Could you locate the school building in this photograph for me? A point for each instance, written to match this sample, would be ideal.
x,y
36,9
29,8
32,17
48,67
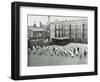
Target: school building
x,y
60,32
69,31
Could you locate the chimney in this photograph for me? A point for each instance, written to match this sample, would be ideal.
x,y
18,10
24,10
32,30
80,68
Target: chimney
x,y
34,25
40,24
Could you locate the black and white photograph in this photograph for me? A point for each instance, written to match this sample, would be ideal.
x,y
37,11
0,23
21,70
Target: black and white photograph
x,y
53,40
57,40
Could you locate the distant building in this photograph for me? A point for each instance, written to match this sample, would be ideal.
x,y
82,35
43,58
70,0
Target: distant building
x,y
37,33
60,32
72,29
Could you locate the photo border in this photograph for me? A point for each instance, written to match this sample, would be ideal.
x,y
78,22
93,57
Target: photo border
x,y
15,40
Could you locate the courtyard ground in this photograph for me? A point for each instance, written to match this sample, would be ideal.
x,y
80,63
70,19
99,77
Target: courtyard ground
x,y
50,59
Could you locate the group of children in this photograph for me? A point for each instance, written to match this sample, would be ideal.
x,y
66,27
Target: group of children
x,y
59,51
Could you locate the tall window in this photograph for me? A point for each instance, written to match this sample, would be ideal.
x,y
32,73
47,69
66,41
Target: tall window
x,y
58,31
70,30
83,26
55,31
62,31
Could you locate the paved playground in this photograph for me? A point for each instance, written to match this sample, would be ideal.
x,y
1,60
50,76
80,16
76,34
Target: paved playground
x,y
58,55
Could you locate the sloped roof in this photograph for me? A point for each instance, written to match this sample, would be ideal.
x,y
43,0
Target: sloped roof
x,y
37,28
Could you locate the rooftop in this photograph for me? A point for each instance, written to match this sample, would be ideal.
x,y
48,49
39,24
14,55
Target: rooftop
x,y
37,28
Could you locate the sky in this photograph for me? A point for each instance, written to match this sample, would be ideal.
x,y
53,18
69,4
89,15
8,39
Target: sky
x,y
44,19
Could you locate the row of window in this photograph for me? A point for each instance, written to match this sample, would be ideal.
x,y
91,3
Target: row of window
x,y
75,32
